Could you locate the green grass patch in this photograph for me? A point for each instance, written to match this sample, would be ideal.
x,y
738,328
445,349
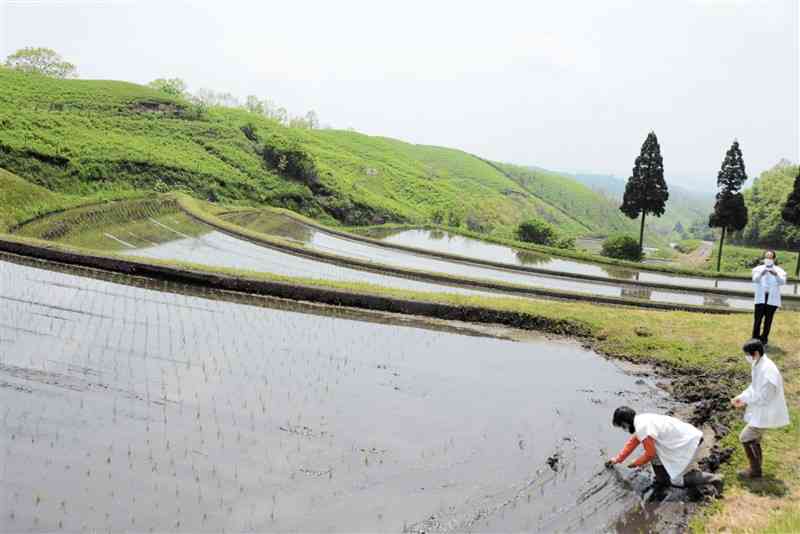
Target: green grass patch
x,y
687,246
21,200
738,259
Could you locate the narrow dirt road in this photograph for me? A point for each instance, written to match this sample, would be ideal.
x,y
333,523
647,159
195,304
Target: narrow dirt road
x,y
699,255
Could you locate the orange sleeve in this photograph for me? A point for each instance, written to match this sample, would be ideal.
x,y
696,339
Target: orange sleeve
x,y
629,447
648,454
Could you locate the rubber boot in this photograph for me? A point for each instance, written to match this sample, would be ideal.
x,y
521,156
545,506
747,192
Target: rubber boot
x,y
753,451
661,484
662,479
759,456
695,478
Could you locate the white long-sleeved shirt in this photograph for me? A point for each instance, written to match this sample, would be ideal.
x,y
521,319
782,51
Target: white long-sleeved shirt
x,y
766,404
768,283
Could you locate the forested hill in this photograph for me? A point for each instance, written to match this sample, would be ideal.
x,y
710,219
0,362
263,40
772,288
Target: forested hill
x,y
84,137
765,200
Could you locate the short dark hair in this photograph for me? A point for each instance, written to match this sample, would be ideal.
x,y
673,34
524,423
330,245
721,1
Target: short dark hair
x,y
623,417
752,346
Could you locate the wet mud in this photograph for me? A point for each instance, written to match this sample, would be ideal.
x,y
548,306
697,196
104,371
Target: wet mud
x,y
134,408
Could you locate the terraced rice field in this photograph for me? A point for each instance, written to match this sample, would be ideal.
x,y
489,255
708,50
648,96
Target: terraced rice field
x,y
287,227
450,243
151,410
160,230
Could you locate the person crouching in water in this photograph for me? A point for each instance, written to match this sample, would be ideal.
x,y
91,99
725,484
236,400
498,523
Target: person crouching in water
x,y
671,446
764,403
768,279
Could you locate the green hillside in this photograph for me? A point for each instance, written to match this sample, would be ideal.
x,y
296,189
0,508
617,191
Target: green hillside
x,y
765,200
21,200
598,214
100,138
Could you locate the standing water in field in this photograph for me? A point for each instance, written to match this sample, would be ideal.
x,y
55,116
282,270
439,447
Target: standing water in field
x,y
144,410
178,237
450,243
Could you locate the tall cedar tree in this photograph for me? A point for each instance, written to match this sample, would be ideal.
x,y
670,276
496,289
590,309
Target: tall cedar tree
x,y
646,191
791,212
730,212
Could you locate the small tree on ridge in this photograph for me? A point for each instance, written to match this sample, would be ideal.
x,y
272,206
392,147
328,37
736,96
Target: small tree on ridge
x,y
646,191
41,60
730,212
791,212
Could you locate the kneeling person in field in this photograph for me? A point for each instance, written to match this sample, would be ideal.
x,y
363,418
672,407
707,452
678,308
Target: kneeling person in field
x,y
671,446
764,403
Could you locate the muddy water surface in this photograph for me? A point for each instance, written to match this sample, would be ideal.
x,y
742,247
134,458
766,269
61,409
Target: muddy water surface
x,y
136,409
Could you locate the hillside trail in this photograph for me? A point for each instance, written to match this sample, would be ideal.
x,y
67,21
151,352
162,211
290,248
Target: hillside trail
x,y
700,255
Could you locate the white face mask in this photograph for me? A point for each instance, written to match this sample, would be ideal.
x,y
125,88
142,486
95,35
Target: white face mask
x,y
749,359
769,262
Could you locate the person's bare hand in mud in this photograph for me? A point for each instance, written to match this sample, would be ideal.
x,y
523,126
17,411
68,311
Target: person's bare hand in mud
x,y
738,403
610,463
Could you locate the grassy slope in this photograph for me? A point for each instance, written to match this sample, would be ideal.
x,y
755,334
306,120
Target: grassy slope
x,y
21,200
600,214
84,136
739,259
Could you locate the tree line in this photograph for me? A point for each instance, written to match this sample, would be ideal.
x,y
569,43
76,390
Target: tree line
x,y
176,87
646,193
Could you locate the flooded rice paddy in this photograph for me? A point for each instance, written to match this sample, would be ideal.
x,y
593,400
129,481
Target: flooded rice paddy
x,y
284,226
446,242
179,237
132,409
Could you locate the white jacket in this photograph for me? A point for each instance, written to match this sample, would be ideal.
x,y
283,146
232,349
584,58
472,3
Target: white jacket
x,y
676,441
768,283
766,405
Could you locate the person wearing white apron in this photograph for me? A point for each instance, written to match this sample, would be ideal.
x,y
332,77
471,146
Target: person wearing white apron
x,y
671,446
764,404
767,279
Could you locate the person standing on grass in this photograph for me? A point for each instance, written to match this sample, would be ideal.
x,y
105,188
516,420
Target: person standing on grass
x,y
764,404
768,279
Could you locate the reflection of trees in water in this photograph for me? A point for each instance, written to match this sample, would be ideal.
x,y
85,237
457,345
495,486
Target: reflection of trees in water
x,y
526,257
436,235
637,292
620,272
715,300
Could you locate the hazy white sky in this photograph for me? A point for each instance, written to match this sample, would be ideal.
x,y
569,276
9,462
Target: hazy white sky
x,y
563,84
